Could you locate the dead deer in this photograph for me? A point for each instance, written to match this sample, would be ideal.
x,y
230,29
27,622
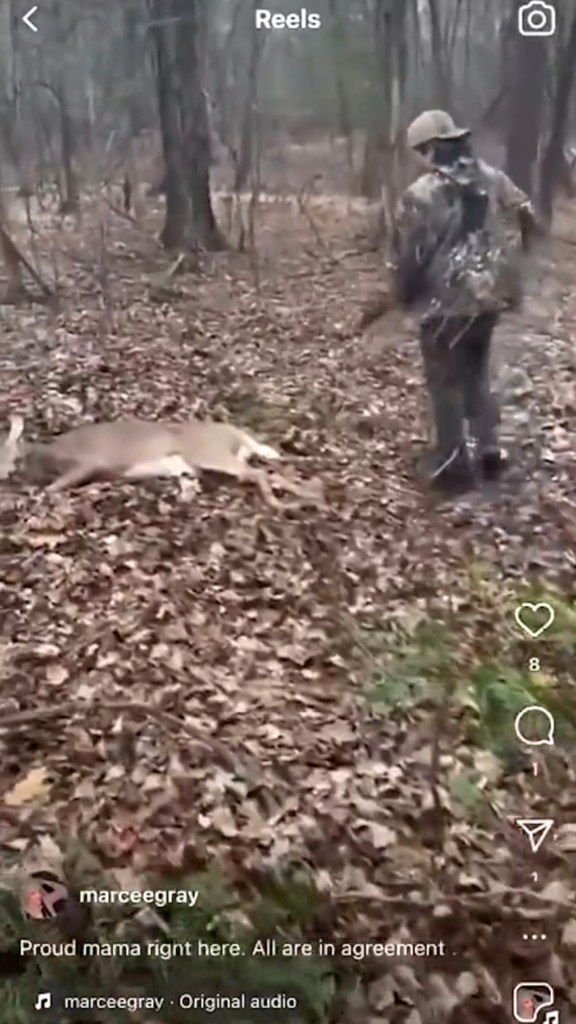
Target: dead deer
x,y
135,449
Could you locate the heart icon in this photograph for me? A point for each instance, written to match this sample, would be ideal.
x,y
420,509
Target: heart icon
x,y
543,612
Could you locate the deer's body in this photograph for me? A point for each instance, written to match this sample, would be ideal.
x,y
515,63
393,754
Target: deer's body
x,y
115,449
138,449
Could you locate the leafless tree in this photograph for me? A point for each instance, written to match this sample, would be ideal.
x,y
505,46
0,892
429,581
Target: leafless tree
x,y
553,159
108,92
178,31
526,67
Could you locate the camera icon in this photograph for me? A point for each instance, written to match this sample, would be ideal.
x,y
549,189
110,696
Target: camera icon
x,y
537,18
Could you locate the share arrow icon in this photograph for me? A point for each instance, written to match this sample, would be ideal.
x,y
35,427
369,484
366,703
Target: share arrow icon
x,y
536,829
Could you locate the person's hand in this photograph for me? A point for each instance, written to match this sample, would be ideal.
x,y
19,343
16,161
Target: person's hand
x,y
531,226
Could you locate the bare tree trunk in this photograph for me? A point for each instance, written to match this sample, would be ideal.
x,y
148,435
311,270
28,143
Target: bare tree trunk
x,y
58,86
16,289
441,80
526,88
553,160
71,191
344,118
390,36
175,231
379,163
177,33
11,126
223,79
245,154
194,115
132,56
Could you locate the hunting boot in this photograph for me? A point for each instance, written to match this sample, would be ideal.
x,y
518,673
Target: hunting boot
x,y
493,461
454,474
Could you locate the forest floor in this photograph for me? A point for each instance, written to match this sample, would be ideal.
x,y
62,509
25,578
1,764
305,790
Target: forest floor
x,y
197,666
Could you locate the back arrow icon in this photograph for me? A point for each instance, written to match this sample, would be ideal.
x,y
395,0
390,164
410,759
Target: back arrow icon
x,y
27,19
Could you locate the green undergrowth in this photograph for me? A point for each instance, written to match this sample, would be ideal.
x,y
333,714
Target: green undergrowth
x,y
286,910
474,670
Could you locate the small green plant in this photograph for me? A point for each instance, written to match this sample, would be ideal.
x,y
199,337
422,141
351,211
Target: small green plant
x,y
465,793
431,668
417,670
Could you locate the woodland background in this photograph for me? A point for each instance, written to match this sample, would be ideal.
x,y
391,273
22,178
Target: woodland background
x,y
99,89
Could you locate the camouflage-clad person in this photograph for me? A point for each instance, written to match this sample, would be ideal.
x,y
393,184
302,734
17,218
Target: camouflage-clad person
x,y
456,264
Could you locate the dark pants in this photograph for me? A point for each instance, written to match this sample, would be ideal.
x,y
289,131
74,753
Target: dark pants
x,y
456,354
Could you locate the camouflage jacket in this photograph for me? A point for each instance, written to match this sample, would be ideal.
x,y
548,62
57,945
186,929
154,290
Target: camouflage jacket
x,y
455,250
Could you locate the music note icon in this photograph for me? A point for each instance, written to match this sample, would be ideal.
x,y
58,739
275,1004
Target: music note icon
x,y
43,1001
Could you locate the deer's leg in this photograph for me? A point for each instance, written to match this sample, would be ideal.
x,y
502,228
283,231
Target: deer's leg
x,y
259,477
79,473
312,491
